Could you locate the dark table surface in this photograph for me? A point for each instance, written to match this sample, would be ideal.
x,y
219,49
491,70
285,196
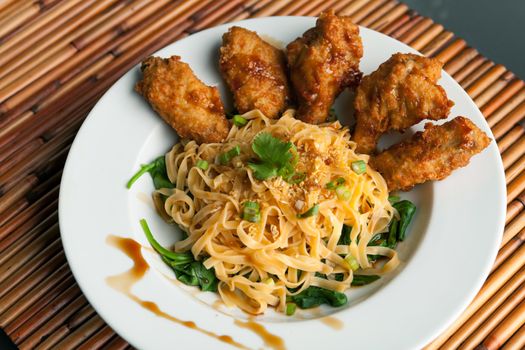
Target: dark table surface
x,y
495,28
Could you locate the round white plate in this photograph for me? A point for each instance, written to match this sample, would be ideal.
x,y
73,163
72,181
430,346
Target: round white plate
x,y
446,257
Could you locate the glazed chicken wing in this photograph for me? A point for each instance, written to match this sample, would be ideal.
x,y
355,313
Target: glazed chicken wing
x,y
430,155
322,63
255,72
400,93
189,106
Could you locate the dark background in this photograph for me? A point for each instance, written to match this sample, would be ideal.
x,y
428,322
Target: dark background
x,y
496,28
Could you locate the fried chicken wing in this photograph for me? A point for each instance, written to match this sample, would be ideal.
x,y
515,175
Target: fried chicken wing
x,y
255,72
322,63
430,155
189,106
400,93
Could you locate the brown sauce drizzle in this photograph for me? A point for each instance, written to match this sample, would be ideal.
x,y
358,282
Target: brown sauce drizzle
x,y
333,322
124,281
269,339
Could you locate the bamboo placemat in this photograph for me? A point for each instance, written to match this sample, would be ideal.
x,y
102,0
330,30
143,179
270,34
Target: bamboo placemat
x,y
58,57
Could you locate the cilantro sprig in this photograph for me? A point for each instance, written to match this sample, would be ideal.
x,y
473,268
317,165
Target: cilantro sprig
x,y
276,158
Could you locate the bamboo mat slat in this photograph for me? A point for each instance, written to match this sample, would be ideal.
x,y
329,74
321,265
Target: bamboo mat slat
x,y
57,57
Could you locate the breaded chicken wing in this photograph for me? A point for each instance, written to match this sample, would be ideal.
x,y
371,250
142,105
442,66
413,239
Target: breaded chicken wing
x,y
322,63
189,106
430,155
400,93
255,72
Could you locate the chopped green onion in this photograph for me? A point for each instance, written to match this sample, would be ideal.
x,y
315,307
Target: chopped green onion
x,y
225,157
202,164
359,166
343,193
239,121
393,199
251,211
176,258
352,262
310,212
290,309
143,170
332,185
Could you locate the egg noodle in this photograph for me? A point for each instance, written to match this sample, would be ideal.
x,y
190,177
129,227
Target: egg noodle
x,y
257,264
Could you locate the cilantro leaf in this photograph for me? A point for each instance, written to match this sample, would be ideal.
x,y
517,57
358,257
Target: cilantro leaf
x,y
277,158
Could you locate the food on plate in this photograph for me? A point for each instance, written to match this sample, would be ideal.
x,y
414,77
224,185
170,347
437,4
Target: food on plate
x,y
289,212
430,155
189,106
400,93
255,72
282,213
322,63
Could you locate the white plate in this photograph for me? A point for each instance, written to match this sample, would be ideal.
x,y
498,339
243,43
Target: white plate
x,y
450,247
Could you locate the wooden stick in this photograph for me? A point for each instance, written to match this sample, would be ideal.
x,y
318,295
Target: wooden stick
x,y
6,5
420,27
16,19
486,80
30,219
79,335
509,121
516,187
55,14
506,108
30,147
116,343
397,24
50,318
499,315
459,60
514,134
316,10
507,327
494,89
42,267
517,341
424,39
394,18
364,11
97,340
12,196
493,283
508,249
515,169
212,18
352,7
27,306
374,15
250,8
270,9
474,68
485,312
513,209
16,209
58,34
18,259
502,97
138,7
513,228
513,152
76,320
437,43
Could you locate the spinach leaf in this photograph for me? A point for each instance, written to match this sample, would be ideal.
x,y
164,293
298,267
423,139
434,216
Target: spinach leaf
x,y
406,210
315,296
188,270
362,280
345,235
157,171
